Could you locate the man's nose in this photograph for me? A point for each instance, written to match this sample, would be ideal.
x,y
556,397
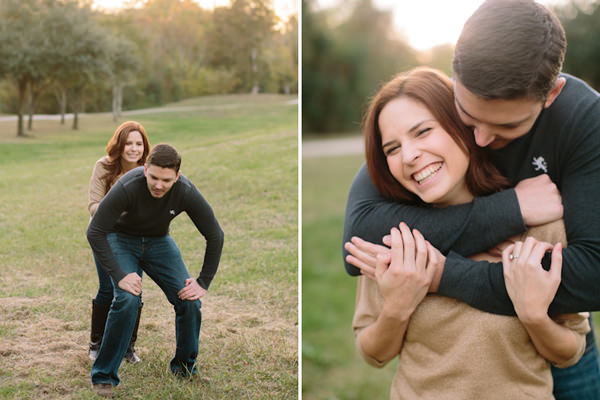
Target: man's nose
x,y
483,136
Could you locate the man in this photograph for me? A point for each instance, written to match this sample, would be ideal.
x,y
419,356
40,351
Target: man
x,y
543,132
130,233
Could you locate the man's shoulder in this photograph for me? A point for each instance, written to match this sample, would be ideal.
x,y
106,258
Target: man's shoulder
x,y
576,92
577,106
132,179
184,186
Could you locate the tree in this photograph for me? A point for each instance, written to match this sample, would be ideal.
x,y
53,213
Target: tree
x,y
23,47
582,27
124,64
343,64
237,38
80,51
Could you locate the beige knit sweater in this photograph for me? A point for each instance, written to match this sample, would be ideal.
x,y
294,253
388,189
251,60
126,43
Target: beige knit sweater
x,y
453,351
97,189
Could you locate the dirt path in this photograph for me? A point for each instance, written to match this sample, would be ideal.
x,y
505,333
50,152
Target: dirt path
x,y
332,147
154,110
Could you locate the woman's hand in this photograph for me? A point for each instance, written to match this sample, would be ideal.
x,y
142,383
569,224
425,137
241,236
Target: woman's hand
x,y
363,255
529,286
403,276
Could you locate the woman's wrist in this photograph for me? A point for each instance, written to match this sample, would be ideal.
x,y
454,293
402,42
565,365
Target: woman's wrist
x,y
534,318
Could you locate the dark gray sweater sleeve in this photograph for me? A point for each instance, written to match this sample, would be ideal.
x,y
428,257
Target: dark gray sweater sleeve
x,y
205,221
466,229
109,210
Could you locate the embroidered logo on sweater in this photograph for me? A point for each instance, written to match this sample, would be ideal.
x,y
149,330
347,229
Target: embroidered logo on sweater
x,y
172,212
540,164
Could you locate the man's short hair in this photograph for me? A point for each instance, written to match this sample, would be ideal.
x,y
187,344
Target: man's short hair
x,y
164,156
510,49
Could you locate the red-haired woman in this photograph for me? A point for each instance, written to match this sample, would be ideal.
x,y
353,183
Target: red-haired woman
x,y
419,151
127,149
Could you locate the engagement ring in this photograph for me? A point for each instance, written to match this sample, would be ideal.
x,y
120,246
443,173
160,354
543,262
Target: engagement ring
x,y
512,256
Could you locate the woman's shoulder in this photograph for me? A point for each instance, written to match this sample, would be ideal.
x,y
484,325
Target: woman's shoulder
x,y
102,164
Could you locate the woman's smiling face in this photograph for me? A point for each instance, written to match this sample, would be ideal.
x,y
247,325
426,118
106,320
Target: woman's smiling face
x,y
134,147
421,155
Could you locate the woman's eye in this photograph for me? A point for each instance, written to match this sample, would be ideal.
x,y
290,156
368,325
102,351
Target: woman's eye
x,y
391,150
422,131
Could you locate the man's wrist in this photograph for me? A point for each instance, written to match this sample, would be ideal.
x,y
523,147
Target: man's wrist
x,y
201,283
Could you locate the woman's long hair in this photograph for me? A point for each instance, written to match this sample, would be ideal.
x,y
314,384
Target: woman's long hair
x,y
114,150
435,91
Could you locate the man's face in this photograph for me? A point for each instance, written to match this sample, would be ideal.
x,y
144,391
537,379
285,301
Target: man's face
x,y
159,180
496,122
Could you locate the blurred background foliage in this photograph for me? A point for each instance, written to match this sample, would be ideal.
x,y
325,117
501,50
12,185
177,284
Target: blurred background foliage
x,y
62,55
347,54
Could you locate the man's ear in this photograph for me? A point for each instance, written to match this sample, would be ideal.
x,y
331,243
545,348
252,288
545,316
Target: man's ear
x,y
177,177
146,170
558,87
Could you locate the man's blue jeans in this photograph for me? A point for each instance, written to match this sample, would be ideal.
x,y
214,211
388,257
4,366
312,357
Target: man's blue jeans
x,y
160,258
582,380
105,286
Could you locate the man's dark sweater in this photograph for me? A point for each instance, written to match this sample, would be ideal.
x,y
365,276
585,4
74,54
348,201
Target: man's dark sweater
x,y
565,143
129,208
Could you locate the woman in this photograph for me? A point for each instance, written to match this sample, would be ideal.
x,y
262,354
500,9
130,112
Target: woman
x,y
419,151
127,149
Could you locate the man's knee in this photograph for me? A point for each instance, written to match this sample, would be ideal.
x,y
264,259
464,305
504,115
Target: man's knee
x,y
126,301
190,307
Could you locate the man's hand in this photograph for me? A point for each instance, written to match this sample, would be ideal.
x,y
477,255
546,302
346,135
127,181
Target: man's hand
x,y
131,283
539,200
191,291
363,255
529,286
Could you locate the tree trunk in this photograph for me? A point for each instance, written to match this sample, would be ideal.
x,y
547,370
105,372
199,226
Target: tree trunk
x,y
61,96
63,104
22,86
31,107
254,72
114,103
120,100
77,106
117,101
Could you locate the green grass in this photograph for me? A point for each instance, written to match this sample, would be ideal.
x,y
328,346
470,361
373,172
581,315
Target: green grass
x,y
331,368
244,161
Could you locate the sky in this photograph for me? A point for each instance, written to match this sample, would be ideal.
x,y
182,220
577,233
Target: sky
x,y
283,8
427,23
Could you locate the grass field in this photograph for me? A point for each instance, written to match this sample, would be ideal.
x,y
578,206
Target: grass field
x,y
331,368
241,152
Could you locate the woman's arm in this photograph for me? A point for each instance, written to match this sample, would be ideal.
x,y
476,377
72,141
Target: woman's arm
x,y
403,278
97,189
531,289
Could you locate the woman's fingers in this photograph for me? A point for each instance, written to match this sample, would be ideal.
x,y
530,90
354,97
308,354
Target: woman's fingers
x,y
506,257
537,253
556,265
397,248
381,265
409,245
421,251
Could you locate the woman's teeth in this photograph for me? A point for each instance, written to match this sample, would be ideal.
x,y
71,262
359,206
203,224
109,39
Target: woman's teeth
x,y
427,172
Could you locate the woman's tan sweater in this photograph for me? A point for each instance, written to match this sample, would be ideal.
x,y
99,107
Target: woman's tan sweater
x,y
453,351
97,189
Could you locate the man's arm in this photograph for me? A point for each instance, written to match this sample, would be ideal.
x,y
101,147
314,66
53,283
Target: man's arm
x,y
107,214
466,229
580,187
205,221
